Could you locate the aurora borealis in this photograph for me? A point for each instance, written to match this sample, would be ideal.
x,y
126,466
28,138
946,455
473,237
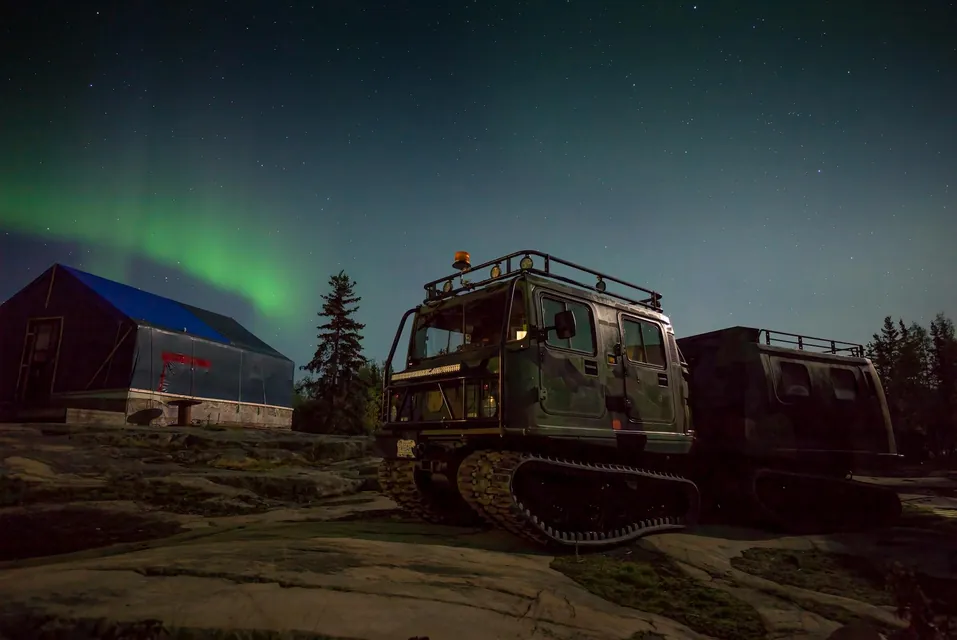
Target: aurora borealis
x,y
178,234
784,166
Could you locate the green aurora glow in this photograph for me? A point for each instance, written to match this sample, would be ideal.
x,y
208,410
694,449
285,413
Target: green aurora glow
x,y
225,246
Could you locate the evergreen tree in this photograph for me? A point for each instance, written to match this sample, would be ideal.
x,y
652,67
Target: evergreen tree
x,y
918,369
910,374
336,365
371,375
882,350
942,381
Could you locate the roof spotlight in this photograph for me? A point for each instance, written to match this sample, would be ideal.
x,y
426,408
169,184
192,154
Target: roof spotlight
x,y
601,285
526,262
496,271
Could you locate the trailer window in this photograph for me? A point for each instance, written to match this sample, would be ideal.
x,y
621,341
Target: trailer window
x,y
795,380
845,384
584,338
643,342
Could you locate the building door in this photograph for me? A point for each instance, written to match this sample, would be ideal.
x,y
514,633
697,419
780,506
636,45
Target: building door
x,y
41,349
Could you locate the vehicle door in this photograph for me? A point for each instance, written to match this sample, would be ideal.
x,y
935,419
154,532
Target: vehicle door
x,y
646,375
570,383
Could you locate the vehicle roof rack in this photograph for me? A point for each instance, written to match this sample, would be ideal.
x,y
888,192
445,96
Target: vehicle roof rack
x,y
807,343
523,262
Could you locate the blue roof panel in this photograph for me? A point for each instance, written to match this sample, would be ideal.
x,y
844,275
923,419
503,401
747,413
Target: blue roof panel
x,y
149,308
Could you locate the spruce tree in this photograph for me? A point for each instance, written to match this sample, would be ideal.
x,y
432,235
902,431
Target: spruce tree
x,y
943,383
336,384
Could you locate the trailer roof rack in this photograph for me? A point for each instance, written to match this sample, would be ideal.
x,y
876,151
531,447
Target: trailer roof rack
x,y
524,262
807,343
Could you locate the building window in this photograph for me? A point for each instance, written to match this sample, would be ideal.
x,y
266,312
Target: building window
x,y
584,338
643,342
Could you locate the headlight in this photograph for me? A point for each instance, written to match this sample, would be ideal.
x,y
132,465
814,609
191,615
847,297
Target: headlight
x,y
489,406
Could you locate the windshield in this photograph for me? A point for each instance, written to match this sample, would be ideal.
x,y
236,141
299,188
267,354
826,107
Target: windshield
x,y
470,323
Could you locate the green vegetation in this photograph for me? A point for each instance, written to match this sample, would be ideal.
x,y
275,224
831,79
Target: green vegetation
x,y
920,517
47,532
836,574
916,596
167,496
38,626
653,583
295,490
342,392
242,450
918,369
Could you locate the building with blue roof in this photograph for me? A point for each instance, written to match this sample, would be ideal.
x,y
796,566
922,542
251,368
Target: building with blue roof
x,y
72,343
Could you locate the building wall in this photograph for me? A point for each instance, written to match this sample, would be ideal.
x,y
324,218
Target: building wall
x,y
126,406
186,365
91,328
212,412
100,350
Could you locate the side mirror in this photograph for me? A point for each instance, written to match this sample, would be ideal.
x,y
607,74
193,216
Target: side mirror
x,y
565,325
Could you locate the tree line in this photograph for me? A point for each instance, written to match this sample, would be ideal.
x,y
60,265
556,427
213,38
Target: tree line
x,y
918,369
342,391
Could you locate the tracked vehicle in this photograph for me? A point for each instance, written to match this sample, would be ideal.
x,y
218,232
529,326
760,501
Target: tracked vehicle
x,y
567,413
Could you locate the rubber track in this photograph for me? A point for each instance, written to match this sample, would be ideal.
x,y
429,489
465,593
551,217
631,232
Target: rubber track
x,y
397,481
485,482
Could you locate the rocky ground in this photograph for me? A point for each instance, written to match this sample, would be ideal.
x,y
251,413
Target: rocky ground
x,y
227,533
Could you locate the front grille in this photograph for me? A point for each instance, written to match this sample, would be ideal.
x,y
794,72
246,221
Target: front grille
x,y
444,401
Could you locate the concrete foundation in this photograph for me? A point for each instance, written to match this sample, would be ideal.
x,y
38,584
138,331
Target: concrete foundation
x,y
143,407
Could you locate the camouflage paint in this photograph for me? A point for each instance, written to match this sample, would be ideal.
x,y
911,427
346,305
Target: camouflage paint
x,y
567,401
549,392
739,402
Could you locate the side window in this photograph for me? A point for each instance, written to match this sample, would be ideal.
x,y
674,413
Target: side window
x,y
584,339
518,322
845,384
643,342
795,381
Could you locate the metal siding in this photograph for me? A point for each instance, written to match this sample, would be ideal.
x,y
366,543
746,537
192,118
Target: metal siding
x,y
220,379
266,380
147,307
143,377
172,368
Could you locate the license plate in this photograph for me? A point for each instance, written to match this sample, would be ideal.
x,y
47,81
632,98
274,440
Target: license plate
x,y
405,448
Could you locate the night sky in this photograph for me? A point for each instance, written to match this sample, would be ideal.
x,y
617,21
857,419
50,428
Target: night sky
x,y
790,165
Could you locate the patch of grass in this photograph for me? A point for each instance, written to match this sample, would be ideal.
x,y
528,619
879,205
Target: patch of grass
x,y
653,583
50,532
440,570
299,561
39,626
838,574
298,490
921,517
167,496
244,464
406,531
347,501
832,573
13,491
